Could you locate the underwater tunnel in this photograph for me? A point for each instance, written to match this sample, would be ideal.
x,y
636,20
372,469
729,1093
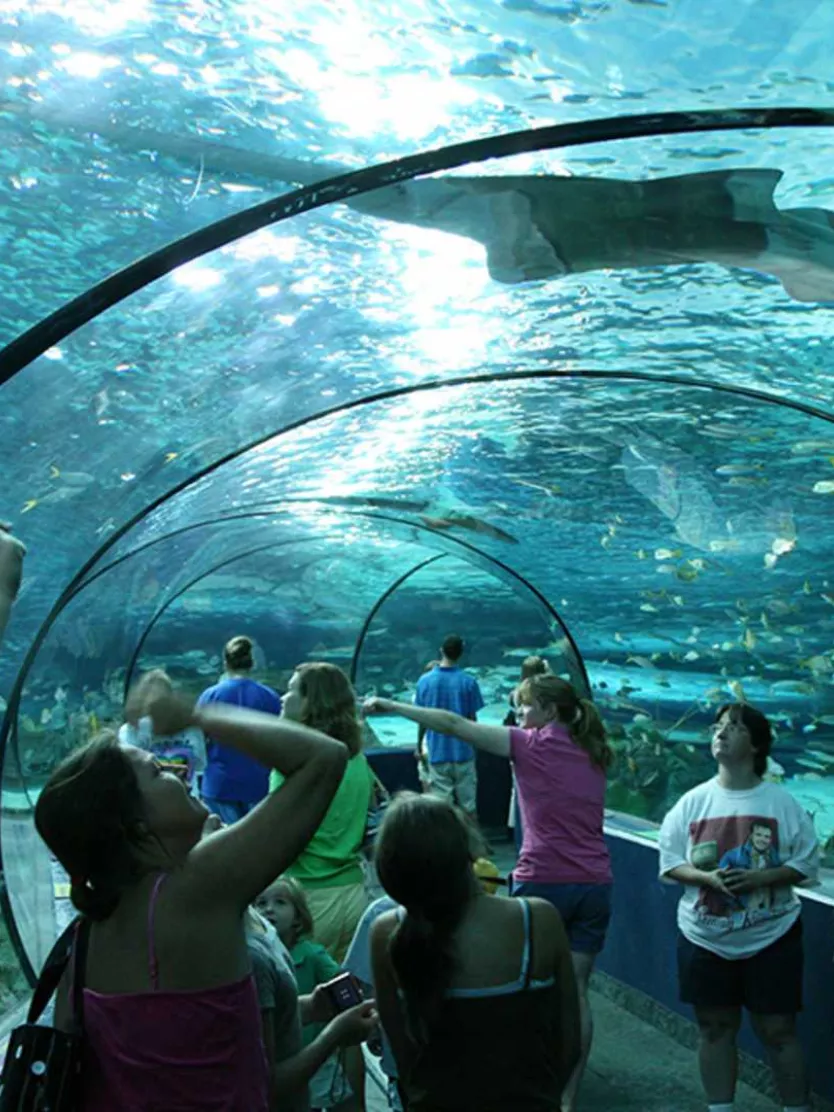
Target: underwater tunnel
x,y
353,327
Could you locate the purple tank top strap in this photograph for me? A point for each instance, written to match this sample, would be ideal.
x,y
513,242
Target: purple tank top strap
x,y
154,964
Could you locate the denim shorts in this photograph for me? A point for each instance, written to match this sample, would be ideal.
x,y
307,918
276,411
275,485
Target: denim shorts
x,y
585,910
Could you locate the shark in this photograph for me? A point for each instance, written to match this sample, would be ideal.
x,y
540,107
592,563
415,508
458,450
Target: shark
x,y
539,227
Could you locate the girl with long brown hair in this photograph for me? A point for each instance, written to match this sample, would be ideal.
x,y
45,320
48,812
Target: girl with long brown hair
x,y
329,868
560,755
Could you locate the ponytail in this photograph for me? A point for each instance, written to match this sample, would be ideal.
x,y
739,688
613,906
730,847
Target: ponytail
x,y
424,863
580,716
588,731
422,955
97,904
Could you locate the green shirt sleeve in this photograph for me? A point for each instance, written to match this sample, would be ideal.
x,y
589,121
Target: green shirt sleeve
x,y
326,967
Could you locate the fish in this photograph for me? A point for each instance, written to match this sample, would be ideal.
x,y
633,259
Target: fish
x,y
642,661
404,505
736,469
686,573
668,553
792,687
810,447
454,520
734,686
824,486
819,665
749,639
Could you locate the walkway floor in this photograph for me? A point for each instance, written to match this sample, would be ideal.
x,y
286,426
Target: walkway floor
x,y
635,1068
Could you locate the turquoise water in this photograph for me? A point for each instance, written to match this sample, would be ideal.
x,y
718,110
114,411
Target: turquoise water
x,y
591,385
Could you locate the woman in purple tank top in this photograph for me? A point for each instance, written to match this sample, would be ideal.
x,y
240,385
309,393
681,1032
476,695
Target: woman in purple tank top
x,y
171,1018
560,755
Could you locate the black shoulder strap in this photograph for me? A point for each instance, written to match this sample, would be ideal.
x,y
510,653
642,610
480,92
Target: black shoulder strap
x,y
53,970
79,969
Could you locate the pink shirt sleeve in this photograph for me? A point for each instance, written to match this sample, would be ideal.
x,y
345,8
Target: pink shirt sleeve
x,y
519,741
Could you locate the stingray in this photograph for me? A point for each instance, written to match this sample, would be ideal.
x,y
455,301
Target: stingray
x,y
539,227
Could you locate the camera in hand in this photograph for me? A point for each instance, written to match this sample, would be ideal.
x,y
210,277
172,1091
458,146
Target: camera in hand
x,y
343,992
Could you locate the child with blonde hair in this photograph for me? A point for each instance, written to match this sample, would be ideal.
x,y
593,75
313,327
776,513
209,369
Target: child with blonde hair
x,y
339,1084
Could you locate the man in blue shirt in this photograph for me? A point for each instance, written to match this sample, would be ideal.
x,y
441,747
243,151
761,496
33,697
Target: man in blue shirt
x,y
451,762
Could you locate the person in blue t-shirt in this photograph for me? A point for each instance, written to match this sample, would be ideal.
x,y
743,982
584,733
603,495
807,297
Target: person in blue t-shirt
x,y
451,762
232,782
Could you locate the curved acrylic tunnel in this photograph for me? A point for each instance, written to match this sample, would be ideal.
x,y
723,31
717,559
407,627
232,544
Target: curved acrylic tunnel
x,y
606,386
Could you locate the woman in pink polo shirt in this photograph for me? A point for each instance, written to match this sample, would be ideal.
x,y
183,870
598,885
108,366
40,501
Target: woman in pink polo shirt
x,y
560,756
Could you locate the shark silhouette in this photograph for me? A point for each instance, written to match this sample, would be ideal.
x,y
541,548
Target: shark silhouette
x,y
539,227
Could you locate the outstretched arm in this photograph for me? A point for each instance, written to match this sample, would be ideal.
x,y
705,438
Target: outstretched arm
x,y
493,739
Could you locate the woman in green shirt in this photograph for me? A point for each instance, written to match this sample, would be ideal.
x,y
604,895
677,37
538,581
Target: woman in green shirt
x,y
329,868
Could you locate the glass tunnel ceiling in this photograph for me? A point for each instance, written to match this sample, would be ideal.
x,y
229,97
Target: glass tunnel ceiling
x,y
127,129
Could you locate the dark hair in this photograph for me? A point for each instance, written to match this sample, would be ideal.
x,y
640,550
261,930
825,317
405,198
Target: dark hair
x,y
581,717
452,647
91,814
424,862
761,824
534,666
237,654
757,726
331,703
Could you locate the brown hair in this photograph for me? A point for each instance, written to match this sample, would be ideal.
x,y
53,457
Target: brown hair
x,y
424,862
303,921
160,677
534,666
757,726
581,717
331,703
237,654
91,814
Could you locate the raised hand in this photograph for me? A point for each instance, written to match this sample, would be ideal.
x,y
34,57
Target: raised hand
x,y
374,705
168,712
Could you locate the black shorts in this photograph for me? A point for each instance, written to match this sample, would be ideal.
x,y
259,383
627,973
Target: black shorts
x,y
768,983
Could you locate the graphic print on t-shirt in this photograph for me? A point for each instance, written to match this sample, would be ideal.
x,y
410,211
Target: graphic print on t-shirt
x,y
737,842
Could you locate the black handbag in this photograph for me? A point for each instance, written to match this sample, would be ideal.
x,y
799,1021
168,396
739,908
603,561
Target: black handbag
x,y
42,1070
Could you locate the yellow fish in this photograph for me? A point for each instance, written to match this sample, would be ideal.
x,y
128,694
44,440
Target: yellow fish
x,y
749,639
737,690
30,505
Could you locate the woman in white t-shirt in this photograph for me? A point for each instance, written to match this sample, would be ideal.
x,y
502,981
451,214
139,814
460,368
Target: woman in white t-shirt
x,y
739,844
183,753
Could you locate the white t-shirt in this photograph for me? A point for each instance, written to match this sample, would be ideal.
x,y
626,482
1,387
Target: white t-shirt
x,y
187,748
762,828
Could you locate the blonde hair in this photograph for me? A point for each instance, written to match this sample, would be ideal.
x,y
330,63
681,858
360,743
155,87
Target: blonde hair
x,y
303,921
581,717
331,703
